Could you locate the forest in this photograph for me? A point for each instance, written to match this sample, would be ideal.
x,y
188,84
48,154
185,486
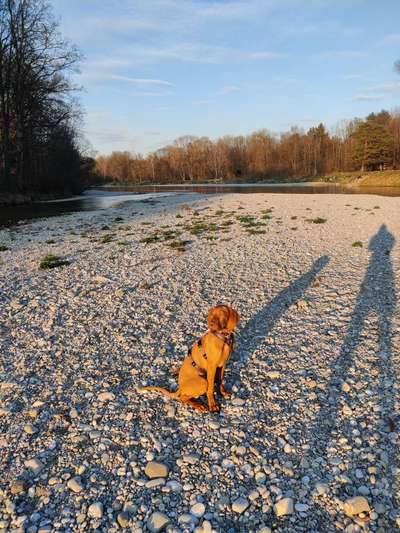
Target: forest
x,y
40,145
361,145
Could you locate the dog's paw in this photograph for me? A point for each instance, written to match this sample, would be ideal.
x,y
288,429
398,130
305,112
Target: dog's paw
x,y
224,393
214,408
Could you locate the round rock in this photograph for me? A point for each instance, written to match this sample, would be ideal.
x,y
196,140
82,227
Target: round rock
x,y
157,522
156,470
284,507
95,510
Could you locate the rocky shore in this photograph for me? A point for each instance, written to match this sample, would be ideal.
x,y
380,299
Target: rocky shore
x,y
308,441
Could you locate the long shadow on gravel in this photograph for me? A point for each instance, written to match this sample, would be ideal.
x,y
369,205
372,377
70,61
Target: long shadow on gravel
x,y
376,300
265,319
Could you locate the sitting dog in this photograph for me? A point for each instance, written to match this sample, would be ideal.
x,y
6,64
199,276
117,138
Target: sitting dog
x,y
205,362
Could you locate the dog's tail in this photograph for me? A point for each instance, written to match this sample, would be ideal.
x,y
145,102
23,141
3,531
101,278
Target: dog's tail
x,y
165,392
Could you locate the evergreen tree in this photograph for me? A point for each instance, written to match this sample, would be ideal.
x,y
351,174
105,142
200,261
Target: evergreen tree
x,y
373,145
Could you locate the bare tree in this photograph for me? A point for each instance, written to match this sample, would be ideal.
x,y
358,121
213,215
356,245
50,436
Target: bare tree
x,y
36,108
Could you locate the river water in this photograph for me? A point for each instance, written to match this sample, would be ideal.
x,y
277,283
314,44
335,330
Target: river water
x,y
106,197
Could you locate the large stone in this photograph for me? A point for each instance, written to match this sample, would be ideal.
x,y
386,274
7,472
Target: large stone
x,y
17,487
157,522
106,397
156,470
95,510
284,507
35,465
198,510
75,484
355,506
123,519
240,505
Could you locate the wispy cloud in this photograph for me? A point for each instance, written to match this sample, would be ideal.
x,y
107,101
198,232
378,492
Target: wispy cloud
x,y
141,81
367,97
344,54
389,88
390,39
228,89
350,77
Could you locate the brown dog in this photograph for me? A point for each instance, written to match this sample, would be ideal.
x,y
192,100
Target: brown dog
x,y
206,360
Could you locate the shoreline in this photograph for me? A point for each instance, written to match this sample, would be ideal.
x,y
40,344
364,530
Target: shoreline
x,y
314,376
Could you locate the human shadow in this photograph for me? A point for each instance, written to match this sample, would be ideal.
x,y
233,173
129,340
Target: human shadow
x,y
373,371
266,318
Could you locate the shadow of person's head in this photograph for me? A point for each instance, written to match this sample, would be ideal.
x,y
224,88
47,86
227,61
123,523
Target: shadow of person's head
x,y
382,242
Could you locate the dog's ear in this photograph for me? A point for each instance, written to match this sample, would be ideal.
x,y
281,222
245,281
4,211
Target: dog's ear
x,y
218,318
233,320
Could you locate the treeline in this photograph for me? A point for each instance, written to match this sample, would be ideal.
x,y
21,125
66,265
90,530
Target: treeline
x,y
369,144
39,141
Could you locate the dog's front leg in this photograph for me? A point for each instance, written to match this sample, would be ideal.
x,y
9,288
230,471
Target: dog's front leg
x,y
212,404
222,389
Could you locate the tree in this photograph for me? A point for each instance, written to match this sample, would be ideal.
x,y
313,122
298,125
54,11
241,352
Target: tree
x,y
373,148
37,113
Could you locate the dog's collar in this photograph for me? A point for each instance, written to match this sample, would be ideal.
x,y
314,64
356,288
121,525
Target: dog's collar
x,y
226,337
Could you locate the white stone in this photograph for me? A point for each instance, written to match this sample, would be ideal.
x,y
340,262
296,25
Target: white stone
x,y
240,505
95,510
157,522
75,484
198,510
355,506
35,465
284,507
156,470
106,397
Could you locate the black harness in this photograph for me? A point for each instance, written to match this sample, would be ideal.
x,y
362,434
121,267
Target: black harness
x,y
227,338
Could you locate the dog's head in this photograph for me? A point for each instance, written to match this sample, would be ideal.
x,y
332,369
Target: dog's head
x,y
222,318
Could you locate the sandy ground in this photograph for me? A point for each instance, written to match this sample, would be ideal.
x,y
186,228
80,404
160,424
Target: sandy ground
x,y
313,420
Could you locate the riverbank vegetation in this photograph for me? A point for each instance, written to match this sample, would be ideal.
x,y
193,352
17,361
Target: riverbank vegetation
x,y
40,146
356,147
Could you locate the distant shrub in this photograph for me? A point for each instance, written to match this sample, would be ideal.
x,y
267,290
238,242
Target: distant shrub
x,y
357,244
52,261
3,248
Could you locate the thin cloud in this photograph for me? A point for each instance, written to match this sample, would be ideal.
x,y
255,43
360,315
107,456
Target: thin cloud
x,y
350,77
391,39
345,54
228,89
367,97
142,81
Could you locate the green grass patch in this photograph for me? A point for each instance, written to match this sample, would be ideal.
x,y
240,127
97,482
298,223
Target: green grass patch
x,y
357,244
179,215
51,241
178,245
317,220
151,239
52,261
106,238
252,231
3,248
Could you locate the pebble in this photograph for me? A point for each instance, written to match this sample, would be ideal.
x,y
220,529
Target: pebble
x,y
106,397
240,505
75,484
198,510
35,465
123,519
95,510
156,470
284,507
17,487
157,522
356,505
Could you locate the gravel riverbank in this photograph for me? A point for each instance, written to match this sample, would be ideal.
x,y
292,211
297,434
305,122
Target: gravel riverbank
x,y
309,440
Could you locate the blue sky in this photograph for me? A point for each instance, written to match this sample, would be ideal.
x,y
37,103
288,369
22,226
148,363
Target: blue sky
x,y
155,70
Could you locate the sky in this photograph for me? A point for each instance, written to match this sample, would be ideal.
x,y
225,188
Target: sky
x,y
155,70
